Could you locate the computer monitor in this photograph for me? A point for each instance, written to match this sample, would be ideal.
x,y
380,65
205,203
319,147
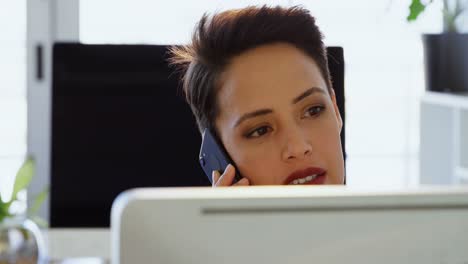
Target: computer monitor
x,y
120,121
294,224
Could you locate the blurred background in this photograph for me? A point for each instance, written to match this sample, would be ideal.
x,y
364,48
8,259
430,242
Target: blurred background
x,y
383,53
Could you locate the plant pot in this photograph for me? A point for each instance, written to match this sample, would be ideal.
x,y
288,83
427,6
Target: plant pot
x,y
446,62
21,242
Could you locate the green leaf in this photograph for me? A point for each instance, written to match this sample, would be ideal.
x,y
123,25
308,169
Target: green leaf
x,y
4,210
23,177
416,8
38,200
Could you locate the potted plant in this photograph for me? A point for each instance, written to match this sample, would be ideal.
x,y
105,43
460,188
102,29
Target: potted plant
x,y
445,54
20,237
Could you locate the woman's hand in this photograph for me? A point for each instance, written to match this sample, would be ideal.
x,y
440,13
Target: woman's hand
x,y
227,178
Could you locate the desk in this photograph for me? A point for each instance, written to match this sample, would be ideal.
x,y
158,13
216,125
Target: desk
x,y
66,244
79,261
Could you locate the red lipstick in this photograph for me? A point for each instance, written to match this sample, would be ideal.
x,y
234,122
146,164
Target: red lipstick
x,y
301,174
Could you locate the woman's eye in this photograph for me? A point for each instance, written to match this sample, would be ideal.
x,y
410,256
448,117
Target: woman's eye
x,y
258,132
314,110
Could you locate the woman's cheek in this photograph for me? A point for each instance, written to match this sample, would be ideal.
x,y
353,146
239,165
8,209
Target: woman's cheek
x,y
249,165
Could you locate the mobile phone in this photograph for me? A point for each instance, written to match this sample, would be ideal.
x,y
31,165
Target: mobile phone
x,y
213,156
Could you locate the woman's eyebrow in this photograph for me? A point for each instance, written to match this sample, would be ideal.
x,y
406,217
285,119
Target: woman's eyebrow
x,y
307,93
252,115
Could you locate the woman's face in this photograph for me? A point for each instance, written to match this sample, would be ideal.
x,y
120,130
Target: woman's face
x,y
277,120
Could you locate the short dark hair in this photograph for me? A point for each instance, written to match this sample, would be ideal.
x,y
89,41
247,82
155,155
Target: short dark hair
x,y
222,36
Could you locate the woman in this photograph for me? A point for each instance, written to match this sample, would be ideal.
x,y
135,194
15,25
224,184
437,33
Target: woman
x,y
259,78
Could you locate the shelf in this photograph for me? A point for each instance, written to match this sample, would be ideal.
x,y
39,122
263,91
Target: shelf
x,y
444,138
446,99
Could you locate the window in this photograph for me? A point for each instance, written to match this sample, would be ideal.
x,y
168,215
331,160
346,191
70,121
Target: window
x,y
13,116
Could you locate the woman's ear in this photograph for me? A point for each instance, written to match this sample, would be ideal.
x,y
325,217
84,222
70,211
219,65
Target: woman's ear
x,y
337,110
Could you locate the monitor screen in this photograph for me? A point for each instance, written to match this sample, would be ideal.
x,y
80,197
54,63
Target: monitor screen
x,y
120,121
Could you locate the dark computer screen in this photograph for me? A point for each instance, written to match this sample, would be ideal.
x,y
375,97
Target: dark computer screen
x,y
119,121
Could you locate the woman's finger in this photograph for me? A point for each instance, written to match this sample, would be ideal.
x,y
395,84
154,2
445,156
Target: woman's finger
x,y
214,177
242,182
227,177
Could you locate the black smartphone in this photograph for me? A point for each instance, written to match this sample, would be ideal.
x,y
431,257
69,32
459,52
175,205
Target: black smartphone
x,y
213,156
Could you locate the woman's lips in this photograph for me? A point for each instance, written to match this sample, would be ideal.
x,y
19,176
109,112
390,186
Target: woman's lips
x,y
301,174
320,179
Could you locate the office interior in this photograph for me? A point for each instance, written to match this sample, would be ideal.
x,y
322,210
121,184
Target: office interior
x,y
403,130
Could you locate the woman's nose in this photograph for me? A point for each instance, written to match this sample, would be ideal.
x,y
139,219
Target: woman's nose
x,y
296,146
